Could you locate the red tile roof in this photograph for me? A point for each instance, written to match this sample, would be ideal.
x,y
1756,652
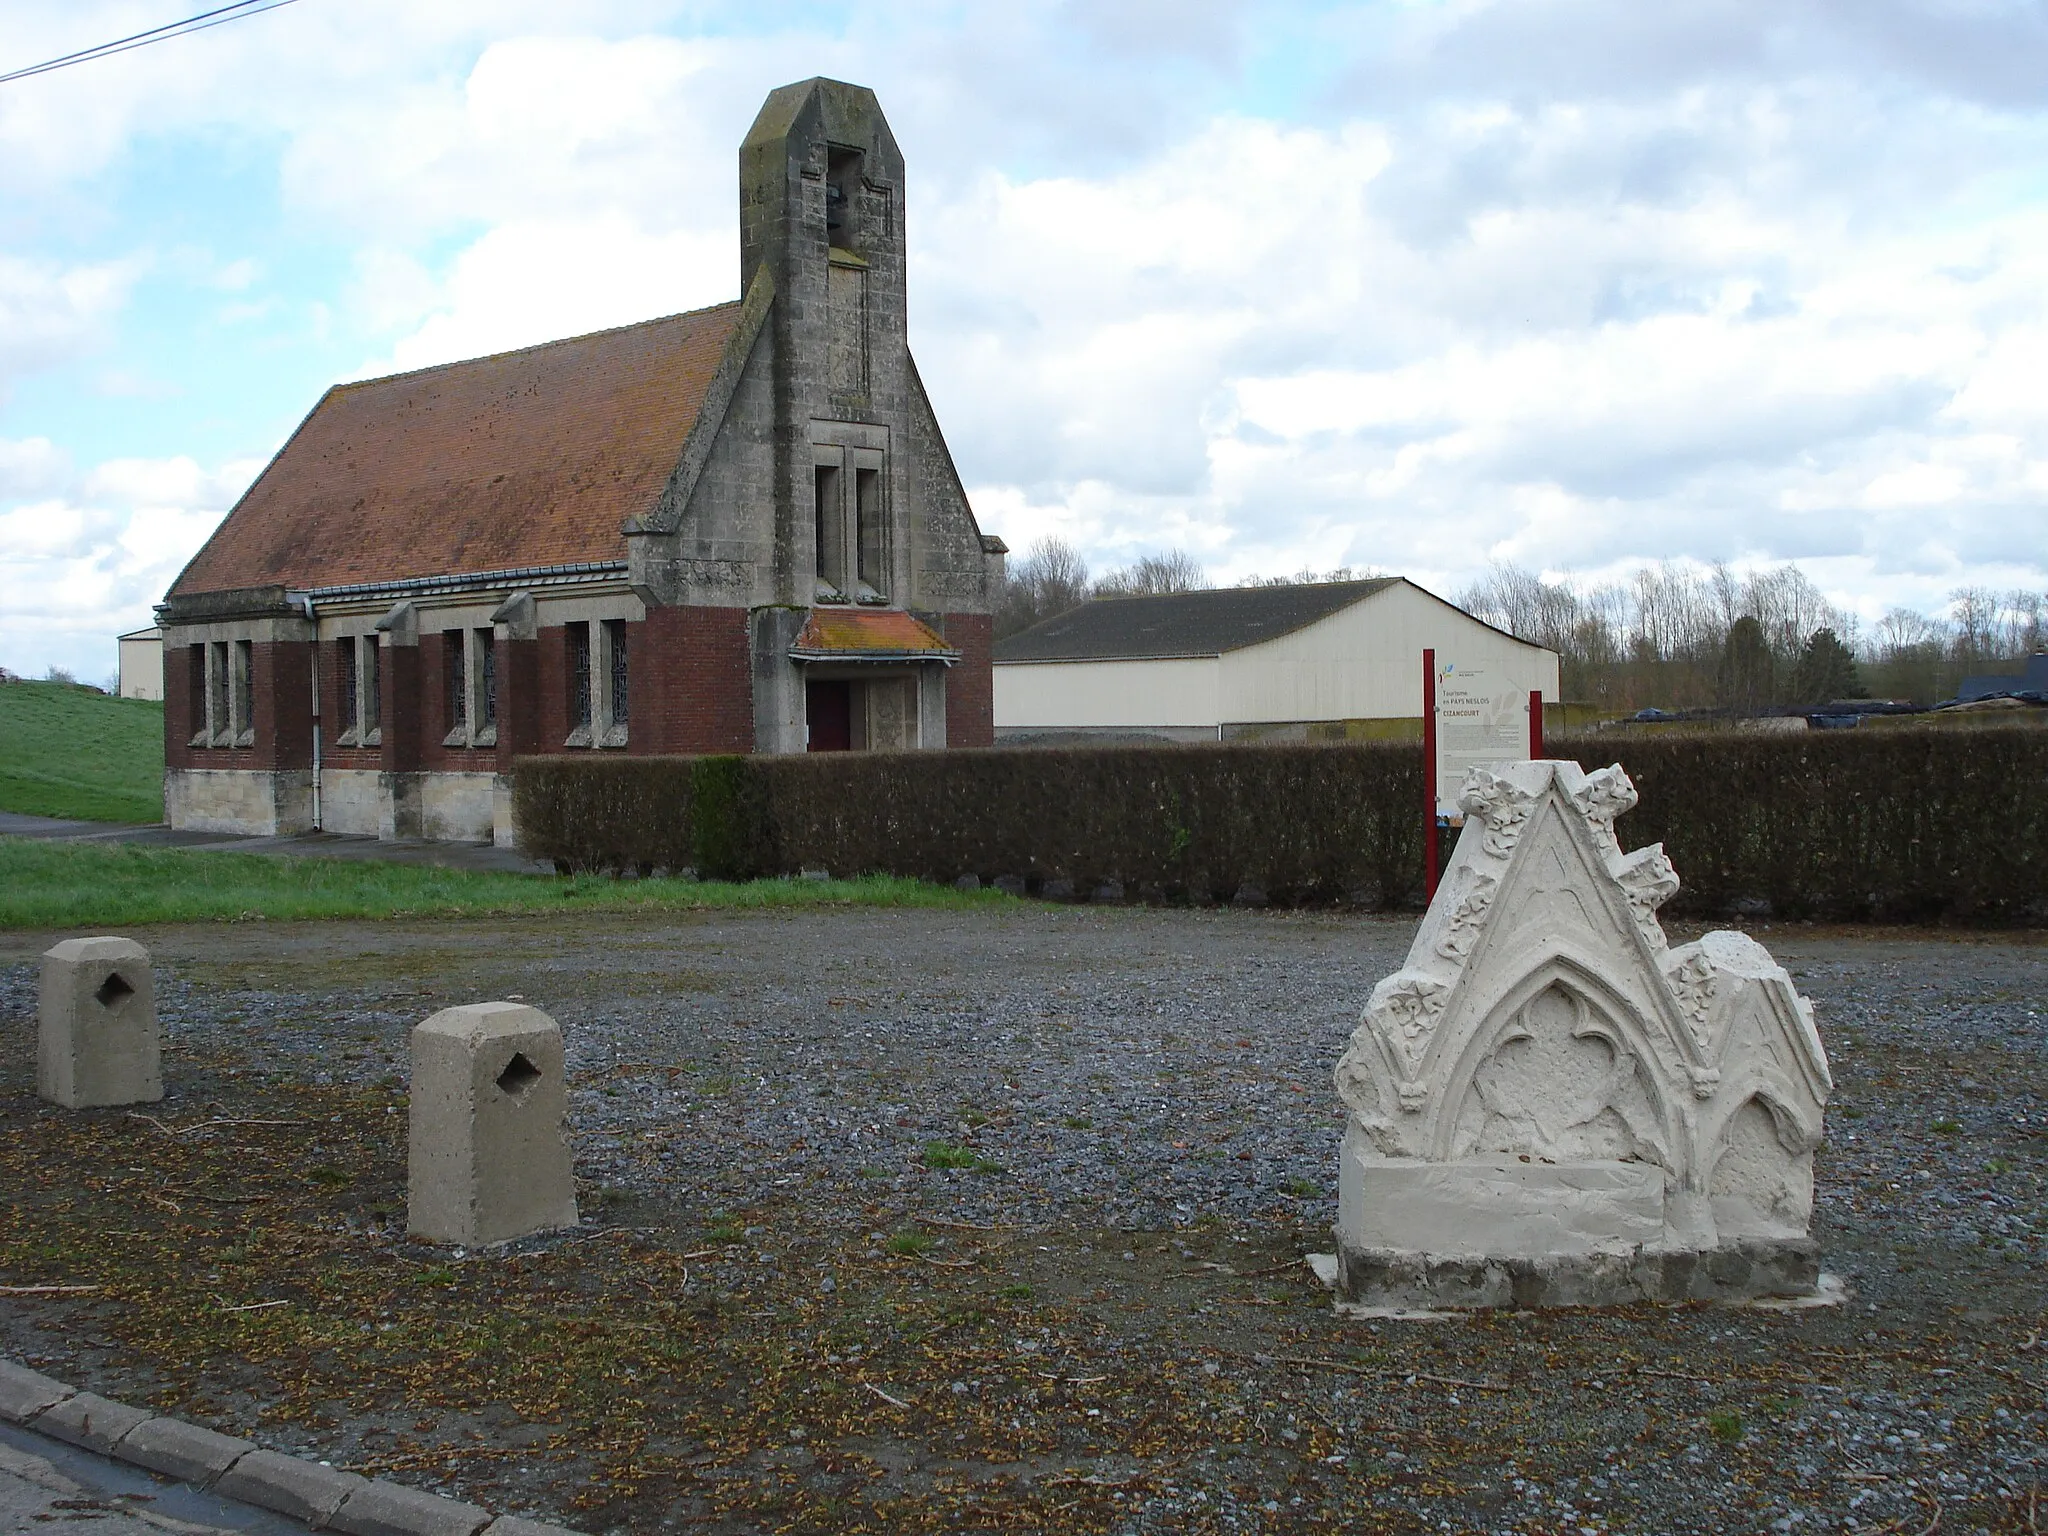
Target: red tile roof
x,y
528,458
868,634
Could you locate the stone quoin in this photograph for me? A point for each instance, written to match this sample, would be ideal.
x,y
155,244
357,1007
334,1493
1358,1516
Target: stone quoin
x,y
1551,1106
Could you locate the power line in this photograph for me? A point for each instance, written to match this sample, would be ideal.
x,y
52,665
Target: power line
x,y
190,24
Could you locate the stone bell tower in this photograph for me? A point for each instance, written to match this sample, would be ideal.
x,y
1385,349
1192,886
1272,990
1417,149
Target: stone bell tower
x,y
821,210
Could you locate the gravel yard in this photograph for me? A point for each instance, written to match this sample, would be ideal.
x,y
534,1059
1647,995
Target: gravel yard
x,y
991,1220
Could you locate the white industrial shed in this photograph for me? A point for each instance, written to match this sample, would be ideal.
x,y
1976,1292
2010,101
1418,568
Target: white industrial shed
x,y
142,664
1320,661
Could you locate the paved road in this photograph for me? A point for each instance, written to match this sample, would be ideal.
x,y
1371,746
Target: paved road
x,y
313,845
48,1486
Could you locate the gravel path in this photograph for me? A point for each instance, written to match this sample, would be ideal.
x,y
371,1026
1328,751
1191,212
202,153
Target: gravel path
x,y
1147,1094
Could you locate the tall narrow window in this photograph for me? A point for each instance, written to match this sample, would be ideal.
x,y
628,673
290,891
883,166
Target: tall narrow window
x,y
579,680
872,529
842,187
455,687
217,721
615,638
830,526
350,718
485,643
242,693
195,695
373,691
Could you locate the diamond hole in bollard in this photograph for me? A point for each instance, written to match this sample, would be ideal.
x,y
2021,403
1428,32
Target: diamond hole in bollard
x,y
114,991
518,1076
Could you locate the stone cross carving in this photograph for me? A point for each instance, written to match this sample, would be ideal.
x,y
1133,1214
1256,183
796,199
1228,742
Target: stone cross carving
x,y
1551,1106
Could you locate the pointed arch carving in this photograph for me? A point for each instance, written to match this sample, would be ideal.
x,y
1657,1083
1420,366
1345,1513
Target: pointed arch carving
x,y
1601,1012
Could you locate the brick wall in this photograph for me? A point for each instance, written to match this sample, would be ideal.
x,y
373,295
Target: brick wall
x,y
970,685
183,668
401,708
692,681
519,701
551,695
281,706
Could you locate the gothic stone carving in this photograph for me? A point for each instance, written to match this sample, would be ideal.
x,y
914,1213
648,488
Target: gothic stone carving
x,y
1549,1105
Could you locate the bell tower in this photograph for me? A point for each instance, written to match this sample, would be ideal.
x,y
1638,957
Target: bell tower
x,y
821,217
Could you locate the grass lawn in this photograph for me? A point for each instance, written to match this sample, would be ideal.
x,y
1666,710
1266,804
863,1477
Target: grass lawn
x,y
64,885
68,752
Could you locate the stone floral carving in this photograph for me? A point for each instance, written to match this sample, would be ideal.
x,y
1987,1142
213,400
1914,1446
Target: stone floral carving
x,y
1603,795
1461,931
1500,807
1692,983
1408,1007
1549,1105
1650,881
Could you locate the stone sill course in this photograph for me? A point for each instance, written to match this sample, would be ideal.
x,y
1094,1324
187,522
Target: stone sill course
x,y
325,1498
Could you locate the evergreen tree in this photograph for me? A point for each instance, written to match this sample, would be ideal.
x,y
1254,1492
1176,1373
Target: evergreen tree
x,y
1748,680
1826,671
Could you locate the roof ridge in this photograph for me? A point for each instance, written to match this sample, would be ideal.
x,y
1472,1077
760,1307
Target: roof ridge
x,y
1207,621
538,346
1245,587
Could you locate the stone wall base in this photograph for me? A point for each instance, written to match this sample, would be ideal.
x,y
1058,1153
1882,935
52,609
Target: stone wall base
x,y
1740,1271
249,802
458,807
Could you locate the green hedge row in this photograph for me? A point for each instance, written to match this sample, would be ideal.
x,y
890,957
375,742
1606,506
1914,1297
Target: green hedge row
x,y
1895,825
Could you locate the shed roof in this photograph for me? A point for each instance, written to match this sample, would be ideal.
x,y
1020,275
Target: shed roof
x,y
526,458
1184,623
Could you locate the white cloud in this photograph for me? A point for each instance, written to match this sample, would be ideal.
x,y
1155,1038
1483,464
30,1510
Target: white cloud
x,y
50,311
532,282
78,568
1575,282
31,467
1261,327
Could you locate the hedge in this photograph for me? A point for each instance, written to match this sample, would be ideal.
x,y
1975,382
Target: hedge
x,y
1895,825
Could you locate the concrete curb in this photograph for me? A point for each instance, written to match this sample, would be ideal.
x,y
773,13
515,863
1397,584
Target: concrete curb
x,y
326,1499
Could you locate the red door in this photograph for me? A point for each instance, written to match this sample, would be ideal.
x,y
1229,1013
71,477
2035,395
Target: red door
x,y
829,709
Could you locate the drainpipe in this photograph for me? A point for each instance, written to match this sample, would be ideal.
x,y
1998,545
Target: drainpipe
x,y
307,601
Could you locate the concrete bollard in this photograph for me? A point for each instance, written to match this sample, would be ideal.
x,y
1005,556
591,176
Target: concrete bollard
x,y
97,1042
488,1158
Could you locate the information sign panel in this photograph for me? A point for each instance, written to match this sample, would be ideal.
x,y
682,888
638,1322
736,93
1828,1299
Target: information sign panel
x,y
1482,717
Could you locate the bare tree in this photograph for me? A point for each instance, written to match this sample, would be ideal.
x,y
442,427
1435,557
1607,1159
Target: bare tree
x,y
1309,578
1174,571
1974,617
1050,579
1902,632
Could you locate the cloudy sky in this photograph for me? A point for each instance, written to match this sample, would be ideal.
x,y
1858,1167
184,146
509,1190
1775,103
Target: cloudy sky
x,y
1574,283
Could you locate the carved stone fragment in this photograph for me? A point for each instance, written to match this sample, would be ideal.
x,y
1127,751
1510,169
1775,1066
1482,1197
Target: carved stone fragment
x,y
1550,1106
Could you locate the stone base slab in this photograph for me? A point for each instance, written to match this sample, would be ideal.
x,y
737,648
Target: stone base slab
x,y
1482,1205
1741,1271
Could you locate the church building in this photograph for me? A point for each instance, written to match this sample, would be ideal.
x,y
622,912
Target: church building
x,y
733,530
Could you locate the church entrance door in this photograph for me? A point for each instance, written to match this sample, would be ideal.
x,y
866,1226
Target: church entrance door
x,y
828,707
